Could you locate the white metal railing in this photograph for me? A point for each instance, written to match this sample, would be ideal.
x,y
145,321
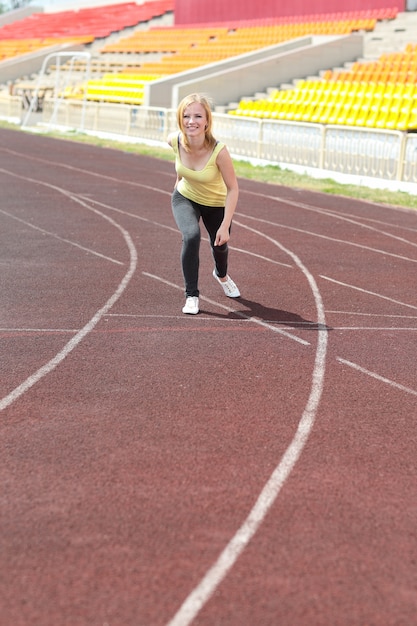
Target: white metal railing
x,y
382,154
409,160
11,107
363,152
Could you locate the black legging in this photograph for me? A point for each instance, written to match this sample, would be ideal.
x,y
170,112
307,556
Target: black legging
x,y
187,215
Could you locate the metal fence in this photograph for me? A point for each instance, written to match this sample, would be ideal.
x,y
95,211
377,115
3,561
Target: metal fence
x,y
11,108
379,154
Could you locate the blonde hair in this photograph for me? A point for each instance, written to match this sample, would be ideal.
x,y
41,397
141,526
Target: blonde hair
x,y
209,140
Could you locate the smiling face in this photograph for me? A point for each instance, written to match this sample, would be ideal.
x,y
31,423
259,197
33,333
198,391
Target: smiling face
x,y
194,120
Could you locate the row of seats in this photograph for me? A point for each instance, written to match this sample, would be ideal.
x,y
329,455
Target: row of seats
x,y
98,66
98,22
163,40
374,105
360,14
399,67
123,88
242,39
10,48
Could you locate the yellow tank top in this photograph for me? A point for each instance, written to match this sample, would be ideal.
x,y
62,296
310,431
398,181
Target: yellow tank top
x,y
204,186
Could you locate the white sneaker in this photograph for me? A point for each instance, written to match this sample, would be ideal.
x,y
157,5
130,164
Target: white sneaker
x,y
229,287
191,305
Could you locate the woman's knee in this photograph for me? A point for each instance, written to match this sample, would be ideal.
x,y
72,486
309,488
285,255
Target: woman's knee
x,y
191,238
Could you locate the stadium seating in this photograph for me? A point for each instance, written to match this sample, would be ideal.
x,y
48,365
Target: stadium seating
x,y
383,105
377,94
380,94
181,49
98,21
228,41
185,48
121,88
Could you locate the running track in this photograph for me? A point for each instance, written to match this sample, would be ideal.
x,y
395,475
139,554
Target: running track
x,y
254,465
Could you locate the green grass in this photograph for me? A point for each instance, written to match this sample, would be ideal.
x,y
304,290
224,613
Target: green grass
x,y
276,175
272,174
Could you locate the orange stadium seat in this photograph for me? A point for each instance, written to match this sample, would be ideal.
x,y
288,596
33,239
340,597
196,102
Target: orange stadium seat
x,y
10,48
97,22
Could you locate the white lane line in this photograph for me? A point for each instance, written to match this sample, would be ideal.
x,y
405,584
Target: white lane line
x,y
201,318
370,293
39,330
215,575
360,313
376,328
351,220
74,341
361,220
377,376
55,236
327,238
249,318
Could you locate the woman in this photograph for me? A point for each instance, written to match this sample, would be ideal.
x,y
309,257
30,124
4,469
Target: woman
x,y
206,188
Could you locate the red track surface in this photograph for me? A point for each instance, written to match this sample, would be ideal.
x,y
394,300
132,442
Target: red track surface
x,y
252,465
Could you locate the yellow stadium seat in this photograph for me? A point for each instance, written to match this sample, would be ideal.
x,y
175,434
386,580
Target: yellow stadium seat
x,y
406,108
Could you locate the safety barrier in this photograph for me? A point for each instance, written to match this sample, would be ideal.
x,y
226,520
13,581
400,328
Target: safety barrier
x,y
374,153
11,108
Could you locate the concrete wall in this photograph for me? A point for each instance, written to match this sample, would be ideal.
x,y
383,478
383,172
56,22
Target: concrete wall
x,y
254,72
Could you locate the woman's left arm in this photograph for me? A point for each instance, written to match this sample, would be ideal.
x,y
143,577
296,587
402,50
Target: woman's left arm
x,y
227,170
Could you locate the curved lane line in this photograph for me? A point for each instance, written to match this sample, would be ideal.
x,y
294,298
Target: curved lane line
x,y
215,575
79,336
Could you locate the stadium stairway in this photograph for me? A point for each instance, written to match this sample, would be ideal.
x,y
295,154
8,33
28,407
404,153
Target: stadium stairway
x,y
391,35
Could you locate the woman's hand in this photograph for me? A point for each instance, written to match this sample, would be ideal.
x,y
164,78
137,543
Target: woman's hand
x,y
222,235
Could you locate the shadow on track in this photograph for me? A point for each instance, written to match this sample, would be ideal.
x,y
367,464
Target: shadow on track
x,y
269,315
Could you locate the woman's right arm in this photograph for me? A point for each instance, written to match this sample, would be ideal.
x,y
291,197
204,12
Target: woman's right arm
x,y
169,140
